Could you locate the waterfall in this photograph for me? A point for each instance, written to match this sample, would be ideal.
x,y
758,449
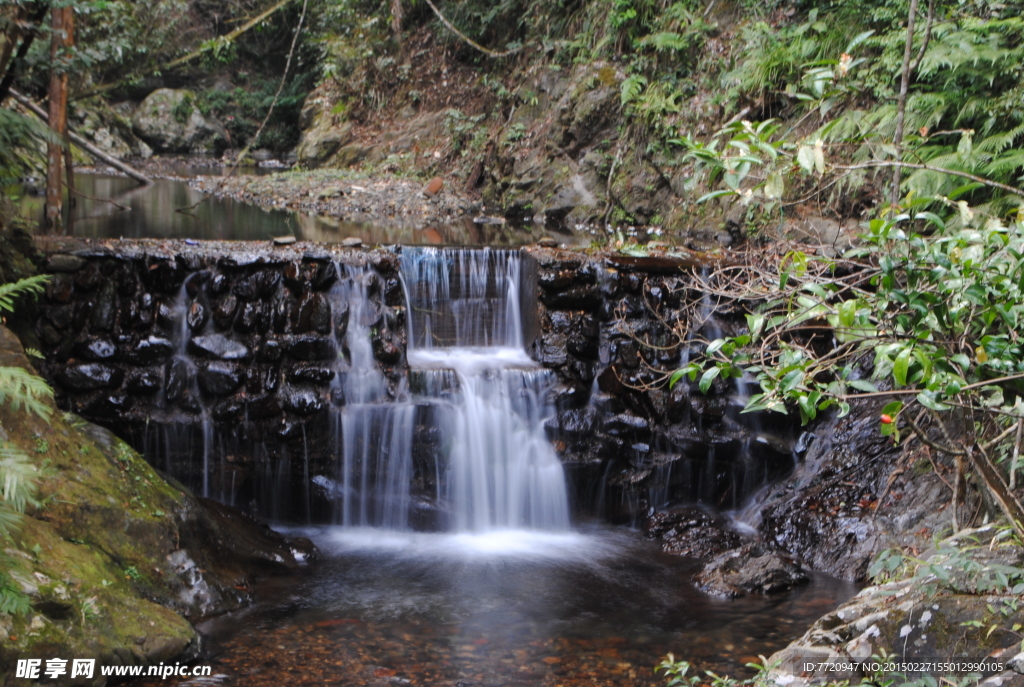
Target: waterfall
x,y
465,321
472,381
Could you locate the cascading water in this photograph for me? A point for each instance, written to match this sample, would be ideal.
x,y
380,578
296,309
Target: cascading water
x,y
465,320
472,380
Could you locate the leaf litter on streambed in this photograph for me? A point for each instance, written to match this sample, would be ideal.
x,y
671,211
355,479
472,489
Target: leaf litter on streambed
x,y
417,617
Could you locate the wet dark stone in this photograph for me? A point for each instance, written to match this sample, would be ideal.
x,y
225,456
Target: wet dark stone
x,y
253,318
295,276
224,313
578,423
577,298
144,381
608,381
218,285
258,286
749,570
218,346
107,406
316,375
271,379
373,314
385,350
104,311
271,351
303,402
89,377
89,278
145,312
556,279
196,316
96,349
325,276
62,316
393,293
691,531
227,409
580,370
219,378
583,338
49,336
552,349
284,308
64,263
166,317
314,315
178,380
60,289
625,424
311,347
263,407
152,349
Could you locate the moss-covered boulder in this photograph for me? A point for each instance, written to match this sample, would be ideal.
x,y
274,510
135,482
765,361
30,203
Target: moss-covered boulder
x,y
115,560
171,122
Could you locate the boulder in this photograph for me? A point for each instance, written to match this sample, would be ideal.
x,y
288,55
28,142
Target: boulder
x,y
691,531
322,141
170,122
751,569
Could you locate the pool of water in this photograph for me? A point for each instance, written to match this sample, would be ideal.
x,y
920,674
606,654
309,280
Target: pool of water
x,y
599,606
170,208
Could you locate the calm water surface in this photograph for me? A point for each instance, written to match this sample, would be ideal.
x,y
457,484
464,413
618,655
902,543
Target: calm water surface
x,y
172,209
595,607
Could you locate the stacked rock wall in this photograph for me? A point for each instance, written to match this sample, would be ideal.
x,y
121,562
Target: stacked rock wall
x,y
234,348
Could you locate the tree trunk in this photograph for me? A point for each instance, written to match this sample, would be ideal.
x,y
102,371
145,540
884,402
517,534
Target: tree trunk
x,y
901,106
62,24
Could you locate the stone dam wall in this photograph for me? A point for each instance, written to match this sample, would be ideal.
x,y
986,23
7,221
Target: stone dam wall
x,y
220,361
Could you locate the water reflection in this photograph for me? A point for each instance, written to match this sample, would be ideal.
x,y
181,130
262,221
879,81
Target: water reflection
x,y
170,208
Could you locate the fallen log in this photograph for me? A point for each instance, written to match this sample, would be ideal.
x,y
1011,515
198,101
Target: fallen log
x,y
84,144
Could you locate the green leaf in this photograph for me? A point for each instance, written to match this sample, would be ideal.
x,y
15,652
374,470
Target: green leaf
x,y
928,400
792,380
755,323
805,158
707,378
775,186
863,385
714,347
847,312
676,376
900,367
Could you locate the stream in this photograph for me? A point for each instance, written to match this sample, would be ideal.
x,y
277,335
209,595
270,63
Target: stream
x,y
484,577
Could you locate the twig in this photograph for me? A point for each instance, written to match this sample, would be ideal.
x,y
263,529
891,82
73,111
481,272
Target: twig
x,y
930,168
469,40
252,141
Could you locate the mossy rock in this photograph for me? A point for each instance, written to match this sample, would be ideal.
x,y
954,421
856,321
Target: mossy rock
x,y
115,559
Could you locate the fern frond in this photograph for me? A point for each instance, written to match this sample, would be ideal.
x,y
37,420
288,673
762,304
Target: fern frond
x,y
18,475
19,387
13,601
27,286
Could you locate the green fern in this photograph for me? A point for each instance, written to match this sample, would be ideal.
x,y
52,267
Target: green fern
x,y
29,286
21,388
631,88
17,485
